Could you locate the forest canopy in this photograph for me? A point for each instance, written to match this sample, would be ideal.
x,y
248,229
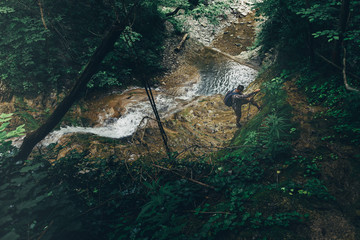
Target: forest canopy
x,y
45,44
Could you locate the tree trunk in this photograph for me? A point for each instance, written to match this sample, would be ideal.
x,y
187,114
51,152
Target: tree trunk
x,y
310,38
91,68
344,16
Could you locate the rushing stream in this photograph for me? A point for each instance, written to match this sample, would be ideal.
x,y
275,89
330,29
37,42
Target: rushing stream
x,y
215,78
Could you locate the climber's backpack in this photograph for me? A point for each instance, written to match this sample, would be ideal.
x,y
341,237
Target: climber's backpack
x,y
228,96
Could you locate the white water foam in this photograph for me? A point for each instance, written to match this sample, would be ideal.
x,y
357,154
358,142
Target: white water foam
x,y
218,78
124,126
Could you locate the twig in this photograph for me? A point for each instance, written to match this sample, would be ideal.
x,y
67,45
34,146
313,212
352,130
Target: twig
x,y
99,205
142,120
128,170
210,212
190,179
187,148
95,34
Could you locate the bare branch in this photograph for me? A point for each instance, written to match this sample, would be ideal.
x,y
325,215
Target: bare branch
x,y
42,14
210,212
335,65
347,86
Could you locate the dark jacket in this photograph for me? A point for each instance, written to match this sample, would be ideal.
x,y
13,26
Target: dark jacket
x,y
238,100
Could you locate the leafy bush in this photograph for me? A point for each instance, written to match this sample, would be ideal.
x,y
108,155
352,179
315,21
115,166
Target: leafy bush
x,y
33,205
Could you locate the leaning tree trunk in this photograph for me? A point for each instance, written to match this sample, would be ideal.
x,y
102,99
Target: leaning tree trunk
x,y
91,68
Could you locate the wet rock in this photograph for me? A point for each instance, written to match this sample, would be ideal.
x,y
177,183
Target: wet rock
x,y
110,120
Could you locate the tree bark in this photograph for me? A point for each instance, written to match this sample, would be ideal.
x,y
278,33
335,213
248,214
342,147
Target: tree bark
x,y
91,68
344,16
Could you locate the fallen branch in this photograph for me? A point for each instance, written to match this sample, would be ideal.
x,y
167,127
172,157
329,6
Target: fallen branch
x,y
177,49
182,176
99,205
173,12
235,59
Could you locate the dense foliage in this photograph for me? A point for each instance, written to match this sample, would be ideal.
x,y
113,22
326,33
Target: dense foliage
x,y
316,38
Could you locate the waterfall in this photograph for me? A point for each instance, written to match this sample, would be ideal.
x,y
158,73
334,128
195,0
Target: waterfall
x,y
218,78
215,78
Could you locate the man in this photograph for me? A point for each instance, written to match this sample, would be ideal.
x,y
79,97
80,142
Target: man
x,y
238,99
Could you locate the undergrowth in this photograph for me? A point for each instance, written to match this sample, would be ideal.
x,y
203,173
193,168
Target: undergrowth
x,y
342,107
255,189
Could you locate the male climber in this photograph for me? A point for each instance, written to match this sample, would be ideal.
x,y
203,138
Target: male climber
x,y
238,99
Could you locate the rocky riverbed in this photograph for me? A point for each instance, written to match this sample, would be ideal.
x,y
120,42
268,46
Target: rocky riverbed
x,y
200,125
